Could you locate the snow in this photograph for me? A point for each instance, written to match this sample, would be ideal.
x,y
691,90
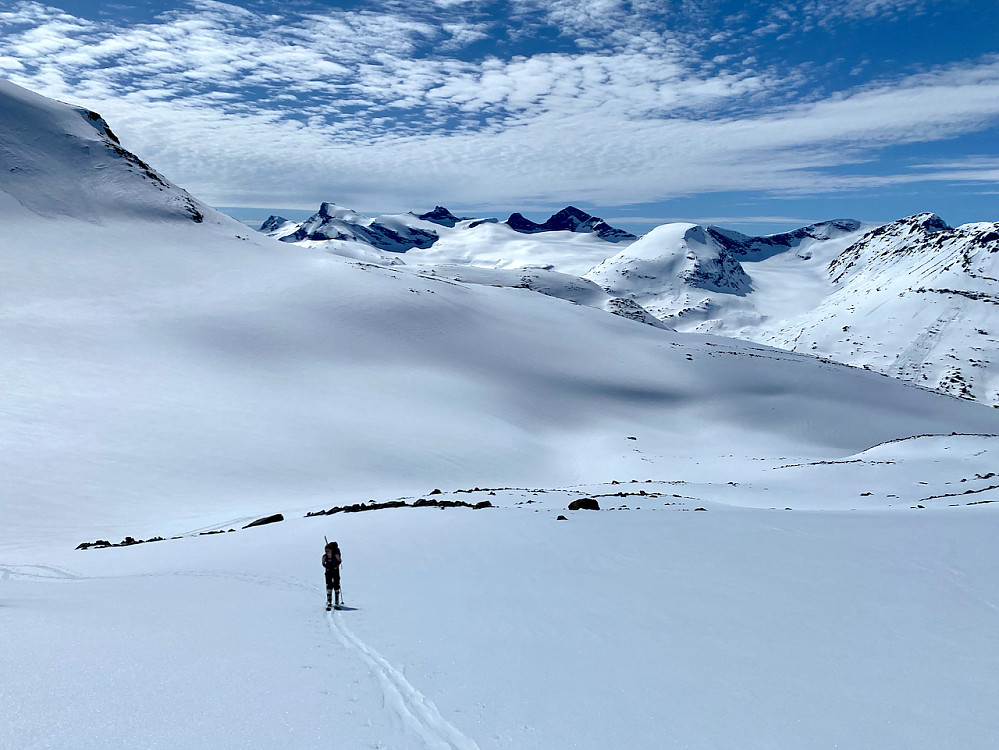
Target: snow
x,y
168,377
506,628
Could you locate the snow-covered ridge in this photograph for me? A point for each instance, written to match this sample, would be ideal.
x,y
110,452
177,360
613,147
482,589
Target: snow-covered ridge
x,y
915,299
97,177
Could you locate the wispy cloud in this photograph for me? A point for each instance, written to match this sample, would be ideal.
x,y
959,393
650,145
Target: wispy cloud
x,y
384,105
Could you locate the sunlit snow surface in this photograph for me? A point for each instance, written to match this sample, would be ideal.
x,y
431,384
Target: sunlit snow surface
x,y
505,628
166,376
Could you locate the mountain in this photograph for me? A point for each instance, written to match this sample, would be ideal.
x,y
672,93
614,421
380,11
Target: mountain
x,y
442,216
699,278
570,219
390,233
915,299
748,248
96,177
278,226
399,233
662,269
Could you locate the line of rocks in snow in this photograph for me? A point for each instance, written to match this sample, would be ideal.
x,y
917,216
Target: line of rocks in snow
x,y
421,503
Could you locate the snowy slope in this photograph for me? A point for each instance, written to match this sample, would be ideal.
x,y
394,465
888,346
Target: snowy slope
x,y
497,245
164,376
915,299
176,370
656,626
63,161
698,278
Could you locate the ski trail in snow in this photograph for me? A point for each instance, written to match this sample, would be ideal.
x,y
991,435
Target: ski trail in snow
x,y
9,572
418,713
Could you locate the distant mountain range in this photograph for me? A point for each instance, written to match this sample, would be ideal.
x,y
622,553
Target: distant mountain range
x,y
401,232
915,299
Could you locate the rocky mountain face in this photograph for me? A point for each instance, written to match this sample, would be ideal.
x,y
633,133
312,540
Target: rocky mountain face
x,y
748,248
442,216
669,267
570,219
915,299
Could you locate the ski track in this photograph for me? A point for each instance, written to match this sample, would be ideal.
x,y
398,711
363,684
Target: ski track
x,y
418,713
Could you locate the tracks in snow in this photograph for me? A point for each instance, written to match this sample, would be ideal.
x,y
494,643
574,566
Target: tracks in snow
x,y
418,714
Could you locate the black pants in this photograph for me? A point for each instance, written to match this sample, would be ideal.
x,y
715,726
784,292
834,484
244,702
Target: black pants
x,y
333,578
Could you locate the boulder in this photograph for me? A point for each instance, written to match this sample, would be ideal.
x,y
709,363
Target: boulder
x,y
263,521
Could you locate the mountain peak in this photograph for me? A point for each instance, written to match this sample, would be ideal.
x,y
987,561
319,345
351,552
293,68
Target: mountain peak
x,y
442,216
570,219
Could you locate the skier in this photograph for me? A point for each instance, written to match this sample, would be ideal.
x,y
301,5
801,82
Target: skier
x,y
331,563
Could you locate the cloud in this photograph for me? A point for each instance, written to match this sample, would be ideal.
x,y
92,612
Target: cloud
x,y
378,107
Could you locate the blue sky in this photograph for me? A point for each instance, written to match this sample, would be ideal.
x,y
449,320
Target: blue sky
x,y
757,115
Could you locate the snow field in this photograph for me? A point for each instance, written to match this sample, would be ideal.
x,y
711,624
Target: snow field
x,y
504,628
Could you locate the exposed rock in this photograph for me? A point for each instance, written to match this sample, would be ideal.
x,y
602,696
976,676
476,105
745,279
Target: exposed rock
x,y
266,520
421,503
442,216
570,219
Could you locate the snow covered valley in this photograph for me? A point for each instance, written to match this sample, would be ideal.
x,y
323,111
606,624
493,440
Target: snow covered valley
x,y
789,552
505,628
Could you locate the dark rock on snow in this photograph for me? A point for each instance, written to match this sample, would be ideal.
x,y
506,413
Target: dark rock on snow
x,y
263,521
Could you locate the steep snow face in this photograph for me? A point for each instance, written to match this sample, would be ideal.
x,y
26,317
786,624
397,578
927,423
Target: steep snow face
x,y
669,270
914,299
58,160
887,246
